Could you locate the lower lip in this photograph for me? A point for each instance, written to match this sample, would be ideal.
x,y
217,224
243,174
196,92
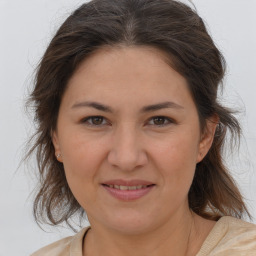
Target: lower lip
x,y
128,195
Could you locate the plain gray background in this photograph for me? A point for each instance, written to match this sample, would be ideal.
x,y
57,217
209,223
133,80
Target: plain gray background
x,y
26,28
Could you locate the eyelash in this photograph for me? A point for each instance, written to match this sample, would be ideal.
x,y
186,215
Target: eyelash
x,y
86,121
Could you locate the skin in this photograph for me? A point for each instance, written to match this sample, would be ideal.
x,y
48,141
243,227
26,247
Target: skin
x,y
129,144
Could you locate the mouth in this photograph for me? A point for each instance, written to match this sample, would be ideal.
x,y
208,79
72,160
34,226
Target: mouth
x,y
121,187
128,190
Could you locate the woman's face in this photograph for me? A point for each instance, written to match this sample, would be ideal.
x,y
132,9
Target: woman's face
x,y
129,136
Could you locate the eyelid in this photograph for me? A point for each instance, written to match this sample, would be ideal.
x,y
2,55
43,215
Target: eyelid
x,y
170,121
85,121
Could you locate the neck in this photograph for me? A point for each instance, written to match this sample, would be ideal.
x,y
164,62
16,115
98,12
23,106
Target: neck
x,y
183,235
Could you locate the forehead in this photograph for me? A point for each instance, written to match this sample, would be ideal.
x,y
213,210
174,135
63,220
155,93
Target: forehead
x,y
127,74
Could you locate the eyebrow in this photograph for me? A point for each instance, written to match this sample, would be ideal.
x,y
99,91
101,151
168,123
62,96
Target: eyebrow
x,y
145,109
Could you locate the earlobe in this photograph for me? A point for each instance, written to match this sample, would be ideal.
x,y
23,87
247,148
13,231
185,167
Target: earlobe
x,y
207,137
55,142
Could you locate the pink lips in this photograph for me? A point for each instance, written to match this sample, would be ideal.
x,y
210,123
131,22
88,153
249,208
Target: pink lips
x,y
128,190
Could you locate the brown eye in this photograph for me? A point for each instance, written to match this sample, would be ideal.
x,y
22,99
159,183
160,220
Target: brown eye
x,y
160,121
94,121
97,120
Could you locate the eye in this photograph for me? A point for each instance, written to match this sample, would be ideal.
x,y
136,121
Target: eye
x,y
95,121
160,121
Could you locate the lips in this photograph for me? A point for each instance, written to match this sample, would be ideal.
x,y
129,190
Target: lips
x,y
128,190
127,187
120,182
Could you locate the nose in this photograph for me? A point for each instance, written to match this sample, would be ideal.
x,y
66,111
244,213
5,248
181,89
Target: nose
x,y
127,150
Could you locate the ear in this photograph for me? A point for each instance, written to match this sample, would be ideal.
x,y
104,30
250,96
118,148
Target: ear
x,y
207,137
55,142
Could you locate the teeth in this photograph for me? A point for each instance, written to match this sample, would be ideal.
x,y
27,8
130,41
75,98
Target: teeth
x,y
127,187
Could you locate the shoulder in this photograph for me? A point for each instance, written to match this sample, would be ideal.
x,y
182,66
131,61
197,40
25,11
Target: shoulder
x,y
68,246
239,233
230,236
60,248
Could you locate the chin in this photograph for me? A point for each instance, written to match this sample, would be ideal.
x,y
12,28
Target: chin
x,y
131,223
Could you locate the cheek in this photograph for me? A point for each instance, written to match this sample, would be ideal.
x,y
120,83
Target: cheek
x,y
176,158
82,159
82,156
179,148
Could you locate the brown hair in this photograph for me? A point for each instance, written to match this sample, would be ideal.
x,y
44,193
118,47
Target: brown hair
x,y
180,33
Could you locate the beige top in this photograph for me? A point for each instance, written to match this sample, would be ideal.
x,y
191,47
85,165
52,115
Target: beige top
x,y
229,237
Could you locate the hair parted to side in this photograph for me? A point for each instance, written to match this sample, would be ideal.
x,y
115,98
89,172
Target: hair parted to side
x,y
180,33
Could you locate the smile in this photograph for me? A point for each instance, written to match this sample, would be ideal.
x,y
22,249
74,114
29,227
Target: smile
x,y
120,187
127,190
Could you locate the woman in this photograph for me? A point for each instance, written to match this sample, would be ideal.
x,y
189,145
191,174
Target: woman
x,y
130,132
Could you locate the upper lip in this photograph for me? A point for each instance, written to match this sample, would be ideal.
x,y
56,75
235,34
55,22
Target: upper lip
x,y
121,182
